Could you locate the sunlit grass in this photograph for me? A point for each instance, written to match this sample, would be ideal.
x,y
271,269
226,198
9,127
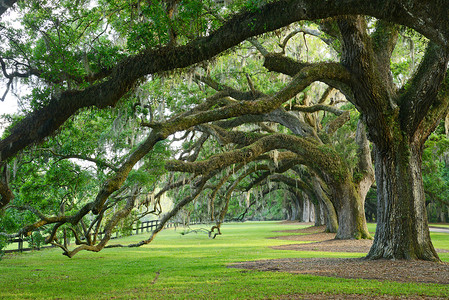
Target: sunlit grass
x,y
190,266
439,225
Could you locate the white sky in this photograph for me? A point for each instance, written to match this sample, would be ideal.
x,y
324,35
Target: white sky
x,y
7,107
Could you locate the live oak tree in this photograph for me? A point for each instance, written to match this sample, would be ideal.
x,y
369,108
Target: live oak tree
x,y
346,193
398,120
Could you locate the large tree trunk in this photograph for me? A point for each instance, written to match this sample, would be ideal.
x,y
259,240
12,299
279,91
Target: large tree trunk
x,y
350,211
402,229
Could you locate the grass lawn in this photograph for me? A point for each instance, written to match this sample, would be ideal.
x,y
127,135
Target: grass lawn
x,y
188,266
441,225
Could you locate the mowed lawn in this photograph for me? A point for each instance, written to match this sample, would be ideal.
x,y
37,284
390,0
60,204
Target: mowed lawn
x,y
189,266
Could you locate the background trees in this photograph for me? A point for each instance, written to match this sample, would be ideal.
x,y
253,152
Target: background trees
x,y
115,54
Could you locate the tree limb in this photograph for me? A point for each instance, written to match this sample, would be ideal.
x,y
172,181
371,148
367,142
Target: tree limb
x,y
422,92
5,5
314,108
335,124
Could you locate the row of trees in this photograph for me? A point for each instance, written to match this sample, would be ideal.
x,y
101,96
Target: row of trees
x,y
222,103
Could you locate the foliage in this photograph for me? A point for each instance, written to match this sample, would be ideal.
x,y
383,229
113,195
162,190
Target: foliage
x,y
371,206
36,240
436,176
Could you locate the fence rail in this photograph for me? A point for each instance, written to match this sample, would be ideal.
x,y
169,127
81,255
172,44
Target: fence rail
x,y
147,226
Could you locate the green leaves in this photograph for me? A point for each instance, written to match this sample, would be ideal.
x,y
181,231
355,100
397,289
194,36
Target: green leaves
x,y
436,172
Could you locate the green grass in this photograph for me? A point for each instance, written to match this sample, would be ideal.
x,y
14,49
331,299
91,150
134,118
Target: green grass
x,y
191,266
439,225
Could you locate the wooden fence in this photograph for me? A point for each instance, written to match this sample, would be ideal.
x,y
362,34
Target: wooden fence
x,y
146,226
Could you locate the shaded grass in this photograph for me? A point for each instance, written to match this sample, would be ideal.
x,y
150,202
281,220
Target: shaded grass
x,y
188,266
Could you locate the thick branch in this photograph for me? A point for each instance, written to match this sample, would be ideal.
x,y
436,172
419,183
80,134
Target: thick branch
x,y
423,89
110,225
334,125
384,41
5,4
365,170
319,156
6,194
283,64
315,108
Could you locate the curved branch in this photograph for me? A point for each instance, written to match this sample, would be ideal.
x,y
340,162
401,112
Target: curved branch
x,y
300,146
185,121
422,92
294,183
82,157
110,225
283,64
308,31
199,188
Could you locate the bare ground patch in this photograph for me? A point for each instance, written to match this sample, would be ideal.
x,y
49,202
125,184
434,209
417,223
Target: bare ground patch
x,y
383,270
323,241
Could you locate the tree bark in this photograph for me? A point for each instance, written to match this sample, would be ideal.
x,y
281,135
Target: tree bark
x,y
402,231
295,205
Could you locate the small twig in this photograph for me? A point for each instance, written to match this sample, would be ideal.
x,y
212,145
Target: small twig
x,y
196,231
158,272
251,85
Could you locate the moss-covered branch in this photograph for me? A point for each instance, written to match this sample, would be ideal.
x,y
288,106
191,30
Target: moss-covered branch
x,y
314,108
319,157
422,92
